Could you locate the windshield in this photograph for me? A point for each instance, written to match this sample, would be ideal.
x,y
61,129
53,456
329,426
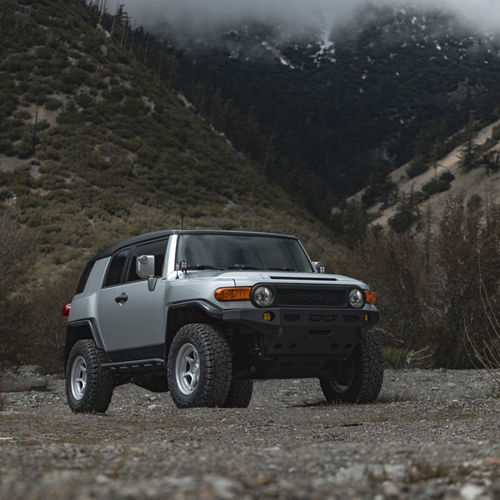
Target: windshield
x,y
222,251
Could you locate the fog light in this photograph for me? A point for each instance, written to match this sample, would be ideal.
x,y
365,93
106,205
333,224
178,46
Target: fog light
x,y
268,316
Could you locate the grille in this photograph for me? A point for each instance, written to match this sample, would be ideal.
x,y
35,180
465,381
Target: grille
x,y
316,297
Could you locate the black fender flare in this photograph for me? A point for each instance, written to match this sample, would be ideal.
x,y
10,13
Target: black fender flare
x,y
209,309
82,329
197,311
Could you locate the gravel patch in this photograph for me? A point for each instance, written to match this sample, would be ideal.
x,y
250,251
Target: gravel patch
x,y
432,434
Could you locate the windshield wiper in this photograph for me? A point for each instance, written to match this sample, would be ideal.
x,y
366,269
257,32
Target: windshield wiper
x,y
283,269
242,266
203,267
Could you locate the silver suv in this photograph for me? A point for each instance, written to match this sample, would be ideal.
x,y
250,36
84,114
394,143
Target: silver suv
x,y
204,313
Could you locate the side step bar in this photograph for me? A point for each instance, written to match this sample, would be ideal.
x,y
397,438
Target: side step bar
x,y
139,364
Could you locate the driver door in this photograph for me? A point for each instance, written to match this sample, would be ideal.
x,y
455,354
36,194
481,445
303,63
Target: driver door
x,y
131,317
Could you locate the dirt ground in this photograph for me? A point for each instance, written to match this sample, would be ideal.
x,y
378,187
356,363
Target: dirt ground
x,y
432,434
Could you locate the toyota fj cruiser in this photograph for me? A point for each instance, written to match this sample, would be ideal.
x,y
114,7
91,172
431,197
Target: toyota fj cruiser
x,y
204,313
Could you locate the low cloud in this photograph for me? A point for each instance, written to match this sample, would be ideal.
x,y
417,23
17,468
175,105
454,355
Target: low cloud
x,y
204,15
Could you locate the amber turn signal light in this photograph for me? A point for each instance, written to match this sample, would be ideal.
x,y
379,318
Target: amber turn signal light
x,y
233,293
370,297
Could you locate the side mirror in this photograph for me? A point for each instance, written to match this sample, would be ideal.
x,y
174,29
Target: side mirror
x,y
145,266
320,268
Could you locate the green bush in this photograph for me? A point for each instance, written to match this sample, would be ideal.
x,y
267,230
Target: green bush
x,y
439,184
52,104
417,167
5,194
86,65
22,115
407,214
25,148
84,100
496,133
7,148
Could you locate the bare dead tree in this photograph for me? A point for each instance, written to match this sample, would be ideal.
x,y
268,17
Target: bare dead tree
x,y
33,138
486,350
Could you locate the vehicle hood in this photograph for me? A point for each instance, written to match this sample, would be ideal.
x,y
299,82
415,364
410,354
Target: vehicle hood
x,y
249,278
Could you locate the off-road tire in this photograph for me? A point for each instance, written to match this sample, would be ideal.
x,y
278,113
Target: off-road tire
x,y
213,353
366,366
240,394
97,388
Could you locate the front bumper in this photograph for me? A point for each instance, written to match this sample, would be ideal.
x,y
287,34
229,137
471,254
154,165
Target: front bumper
x,y
297,342
301,333
283,318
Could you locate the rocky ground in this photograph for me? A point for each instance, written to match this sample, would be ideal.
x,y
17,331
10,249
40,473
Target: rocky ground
x,y
432,434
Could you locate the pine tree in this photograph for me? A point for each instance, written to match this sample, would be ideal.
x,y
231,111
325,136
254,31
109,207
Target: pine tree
x,y
468,156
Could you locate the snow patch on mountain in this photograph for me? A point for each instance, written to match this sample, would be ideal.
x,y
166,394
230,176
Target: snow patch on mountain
x,y
326,51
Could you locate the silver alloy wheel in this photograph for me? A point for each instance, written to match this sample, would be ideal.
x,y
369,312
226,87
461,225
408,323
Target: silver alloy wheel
x,y
344,381
339,387
187,369
78,377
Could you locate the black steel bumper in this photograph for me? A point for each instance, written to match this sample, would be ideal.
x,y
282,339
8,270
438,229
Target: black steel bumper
x,y
279,319
298,342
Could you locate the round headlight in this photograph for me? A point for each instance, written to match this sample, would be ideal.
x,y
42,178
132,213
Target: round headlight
x,y
263,296
356,298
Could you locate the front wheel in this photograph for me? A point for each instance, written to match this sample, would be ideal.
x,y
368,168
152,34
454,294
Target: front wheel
x,y
359,378
89,386
199,366
240,394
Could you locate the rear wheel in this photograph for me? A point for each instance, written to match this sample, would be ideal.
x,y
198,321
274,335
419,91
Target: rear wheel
x,y
199,366
89,386
359,378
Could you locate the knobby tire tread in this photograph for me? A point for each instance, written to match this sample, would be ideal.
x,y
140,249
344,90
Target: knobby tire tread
x,y
240,394
217,361
369,374
100,382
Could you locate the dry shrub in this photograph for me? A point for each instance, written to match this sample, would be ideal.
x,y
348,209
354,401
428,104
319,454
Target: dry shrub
x,y
32,328
486,349
467,259
429,284
16,259
47,328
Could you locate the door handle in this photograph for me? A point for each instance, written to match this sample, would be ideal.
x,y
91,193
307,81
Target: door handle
x,y
121,298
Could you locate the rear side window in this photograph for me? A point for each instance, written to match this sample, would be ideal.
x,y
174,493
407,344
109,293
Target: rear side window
x,y
84,277
115,269
156,248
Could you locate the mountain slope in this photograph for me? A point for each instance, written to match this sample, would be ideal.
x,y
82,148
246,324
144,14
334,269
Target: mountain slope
x,y
95,147
327,105
476,182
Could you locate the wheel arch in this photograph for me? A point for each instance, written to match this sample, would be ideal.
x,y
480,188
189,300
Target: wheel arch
x,y
80,330
195,311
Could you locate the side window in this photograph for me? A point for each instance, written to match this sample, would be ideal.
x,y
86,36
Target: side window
x,y
156,248
84,277
115,269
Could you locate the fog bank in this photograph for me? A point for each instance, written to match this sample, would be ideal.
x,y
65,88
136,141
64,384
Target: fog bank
x,y
201,15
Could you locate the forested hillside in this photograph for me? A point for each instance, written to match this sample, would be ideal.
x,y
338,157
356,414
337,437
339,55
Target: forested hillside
x,y
342,109
108,130
95,146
